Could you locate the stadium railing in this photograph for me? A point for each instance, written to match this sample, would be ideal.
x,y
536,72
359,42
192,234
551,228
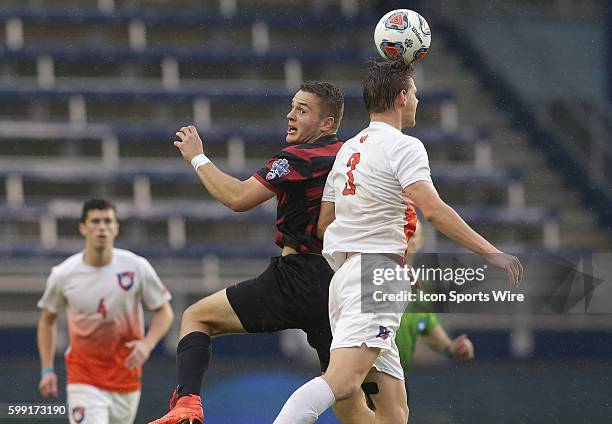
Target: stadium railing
x,y
175,215
114,138
141,173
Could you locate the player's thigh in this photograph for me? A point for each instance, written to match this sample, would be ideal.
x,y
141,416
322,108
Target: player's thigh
x,y
272,301
213,312
87,405
348,366
124,407
390,401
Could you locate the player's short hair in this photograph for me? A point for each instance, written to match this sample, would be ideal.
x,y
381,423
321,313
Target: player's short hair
x,y
385,79
99,204
331,99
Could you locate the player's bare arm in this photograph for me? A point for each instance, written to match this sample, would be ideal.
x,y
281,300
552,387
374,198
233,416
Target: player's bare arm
x,y
327,215
448,222
460,348
141,349
237,195
46,338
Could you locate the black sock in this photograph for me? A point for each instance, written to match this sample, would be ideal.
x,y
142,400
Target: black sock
x,y
192,358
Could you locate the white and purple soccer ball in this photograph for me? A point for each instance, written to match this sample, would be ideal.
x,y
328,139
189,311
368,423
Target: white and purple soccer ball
x,y
402,32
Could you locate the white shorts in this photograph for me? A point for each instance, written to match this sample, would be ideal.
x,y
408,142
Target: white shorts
x,y
91,405
351,327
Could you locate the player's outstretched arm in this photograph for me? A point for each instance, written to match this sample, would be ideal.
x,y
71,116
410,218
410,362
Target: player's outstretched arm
x,y
46,339
448,222
141,349
460,347
327,215
238,195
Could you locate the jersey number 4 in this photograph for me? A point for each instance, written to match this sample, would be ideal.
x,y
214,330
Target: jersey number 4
x,y
102,308
349,187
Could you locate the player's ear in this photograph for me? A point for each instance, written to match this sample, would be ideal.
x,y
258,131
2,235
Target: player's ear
x,y
403,97
82,228
328,124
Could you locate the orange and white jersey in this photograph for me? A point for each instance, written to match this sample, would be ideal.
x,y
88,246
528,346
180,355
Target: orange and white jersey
x,y
104,309
366,183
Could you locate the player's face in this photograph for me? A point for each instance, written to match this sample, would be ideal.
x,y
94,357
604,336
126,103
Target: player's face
x,y
409,111
100,228
304,119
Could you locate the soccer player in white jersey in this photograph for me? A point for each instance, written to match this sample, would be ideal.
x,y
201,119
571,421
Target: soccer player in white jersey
x,y
363,212
102,290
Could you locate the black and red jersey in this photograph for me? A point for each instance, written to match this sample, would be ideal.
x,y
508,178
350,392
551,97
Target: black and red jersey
x,y
297,175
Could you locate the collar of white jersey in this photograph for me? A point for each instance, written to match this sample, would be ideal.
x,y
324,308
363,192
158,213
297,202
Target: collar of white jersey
x,y
381,124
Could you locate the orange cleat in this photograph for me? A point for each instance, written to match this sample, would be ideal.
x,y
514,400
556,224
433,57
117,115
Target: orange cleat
x,y
183,410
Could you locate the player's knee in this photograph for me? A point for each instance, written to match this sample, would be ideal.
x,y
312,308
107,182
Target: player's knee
x,y
346,391
404,413
396,415
199,316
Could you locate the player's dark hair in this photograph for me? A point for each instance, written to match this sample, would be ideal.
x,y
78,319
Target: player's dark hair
x,y
99,204
384,81
331,99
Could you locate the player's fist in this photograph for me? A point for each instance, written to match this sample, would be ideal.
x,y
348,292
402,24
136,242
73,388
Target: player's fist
x,y
461,348
190,144
139,355
510,264
48,385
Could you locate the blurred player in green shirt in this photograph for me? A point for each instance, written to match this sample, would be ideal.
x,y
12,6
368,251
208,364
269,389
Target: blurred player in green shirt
x,y
417,324
425,325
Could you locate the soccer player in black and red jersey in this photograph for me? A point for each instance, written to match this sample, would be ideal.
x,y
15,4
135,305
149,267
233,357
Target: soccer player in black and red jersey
x,y
293,291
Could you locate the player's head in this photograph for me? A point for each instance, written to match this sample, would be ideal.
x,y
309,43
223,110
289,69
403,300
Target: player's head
x,y
389,86
316,110
99,223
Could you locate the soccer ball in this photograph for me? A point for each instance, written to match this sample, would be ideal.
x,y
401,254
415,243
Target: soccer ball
x,y
404,33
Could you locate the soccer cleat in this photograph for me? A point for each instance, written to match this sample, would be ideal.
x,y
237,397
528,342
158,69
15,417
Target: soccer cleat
x,y
183,410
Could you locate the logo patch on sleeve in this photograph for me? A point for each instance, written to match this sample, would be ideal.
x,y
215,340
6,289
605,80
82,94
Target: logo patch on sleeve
x,y
279,168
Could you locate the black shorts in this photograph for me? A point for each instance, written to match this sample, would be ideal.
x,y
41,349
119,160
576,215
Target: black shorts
x,y
293,292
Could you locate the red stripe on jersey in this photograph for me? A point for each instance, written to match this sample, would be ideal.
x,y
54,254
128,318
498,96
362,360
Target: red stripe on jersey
x,y
314,192
297,175
411,222
308,154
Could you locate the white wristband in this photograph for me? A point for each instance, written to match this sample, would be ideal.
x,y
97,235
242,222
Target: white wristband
x,y
199,160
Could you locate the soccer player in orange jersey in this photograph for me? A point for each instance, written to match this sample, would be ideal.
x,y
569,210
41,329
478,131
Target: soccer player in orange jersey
x,y
102,289
365,225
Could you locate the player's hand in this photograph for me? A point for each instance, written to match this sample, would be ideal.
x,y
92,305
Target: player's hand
x,y
48,385
191,144
139,355
510,264
461,348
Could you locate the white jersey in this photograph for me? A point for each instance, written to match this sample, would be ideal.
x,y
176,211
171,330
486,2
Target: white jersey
x,y
366,183
104,307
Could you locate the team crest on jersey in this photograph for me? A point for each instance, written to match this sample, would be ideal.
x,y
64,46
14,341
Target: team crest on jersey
x,y
78,413
279,168
383,333
125,280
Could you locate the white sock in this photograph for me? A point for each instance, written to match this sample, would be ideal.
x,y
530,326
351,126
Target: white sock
x,y
307,403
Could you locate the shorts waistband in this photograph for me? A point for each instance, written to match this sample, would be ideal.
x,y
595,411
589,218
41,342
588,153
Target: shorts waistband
x,y
395,258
